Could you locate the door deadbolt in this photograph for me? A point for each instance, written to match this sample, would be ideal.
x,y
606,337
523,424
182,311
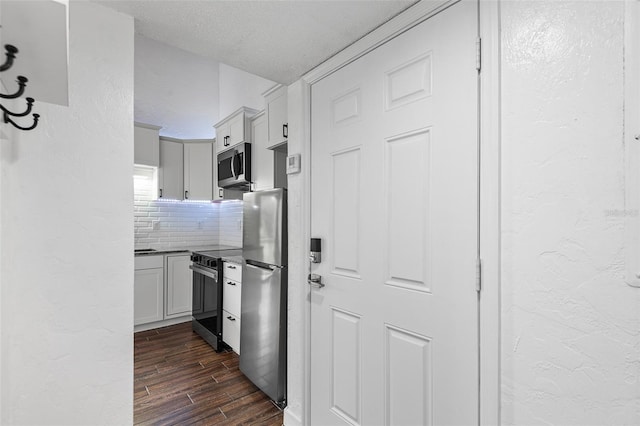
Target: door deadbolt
x,y
315,250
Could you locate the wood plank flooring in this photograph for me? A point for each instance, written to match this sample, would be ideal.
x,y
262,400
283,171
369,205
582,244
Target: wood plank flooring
x,y
180,380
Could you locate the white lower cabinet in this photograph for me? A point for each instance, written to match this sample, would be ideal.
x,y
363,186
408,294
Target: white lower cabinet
x,y
231,331
231,304
163,290
148,286
179,288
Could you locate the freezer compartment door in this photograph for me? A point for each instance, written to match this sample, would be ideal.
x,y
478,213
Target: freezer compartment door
x,y
263,329
264,228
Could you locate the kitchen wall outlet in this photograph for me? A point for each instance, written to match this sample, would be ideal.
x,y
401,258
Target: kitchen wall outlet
x,y
293,164
155,225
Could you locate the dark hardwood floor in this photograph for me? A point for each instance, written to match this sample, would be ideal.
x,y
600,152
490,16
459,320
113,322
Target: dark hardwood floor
x,y
180,380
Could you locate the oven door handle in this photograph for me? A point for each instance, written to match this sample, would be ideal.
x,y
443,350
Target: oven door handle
x,y
205,272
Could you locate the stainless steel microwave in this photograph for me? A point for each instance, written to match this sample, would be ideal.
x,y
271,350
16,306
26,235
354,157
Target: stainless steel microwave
x,y
234,167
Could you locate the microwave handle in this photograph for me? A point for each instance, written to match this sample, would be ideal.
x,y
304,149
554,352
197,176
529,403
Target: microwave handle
x,y
233,168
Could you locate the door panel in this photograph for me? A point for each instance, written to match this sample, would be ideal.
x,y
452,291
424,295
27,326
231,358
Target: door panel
x,y
408,392
407,166
394,197
345,204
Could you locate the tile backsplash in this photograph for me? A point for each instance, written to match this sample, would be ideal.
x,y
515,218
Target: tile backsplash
x,y
179,224
230,225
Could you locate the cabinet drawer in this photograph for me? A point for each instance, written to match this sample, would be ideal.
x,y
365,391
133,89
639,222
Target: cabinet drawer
x,y
232,291
231,331
232,271
148,262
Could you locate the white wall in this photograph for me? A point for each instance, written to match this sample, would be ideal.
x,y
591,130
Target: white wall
x,y
66,199
298,289
570,324
239,88
175,89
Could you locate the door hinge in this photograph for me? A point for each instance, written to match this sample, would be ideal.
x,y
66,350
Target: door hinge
x,y
478,274
478,54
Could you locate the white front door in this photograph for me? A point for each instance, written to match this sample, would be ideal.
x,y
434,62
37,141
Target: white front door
x,y
394,332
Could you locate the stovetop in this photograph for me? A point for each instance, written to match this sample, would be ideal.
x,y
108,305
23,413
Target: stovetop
x,y
218,254
213,258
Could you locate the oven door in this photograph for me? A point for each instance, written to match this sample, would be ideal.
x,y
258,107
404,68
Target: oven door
x,y
234,167
207,305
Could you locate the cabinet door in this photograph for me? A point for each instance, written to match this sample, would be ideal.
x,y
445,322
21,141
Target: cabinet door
x,y
198,171
276,107
217,191
222,132
236,130
148,295
145,145
171,171
261,157
179,286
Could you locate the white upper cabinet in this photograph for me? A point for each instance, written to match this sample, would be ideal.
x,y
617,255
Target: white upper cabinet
x,y
234,129
171,170
261,157
198,170
145,143
218,193
276,109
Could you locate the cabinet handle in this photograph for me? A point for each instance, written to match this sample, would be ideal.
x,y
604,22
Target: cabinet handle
x,y
231,267
186,195
160,196
220,193
231,283
230,318
226,141
285,130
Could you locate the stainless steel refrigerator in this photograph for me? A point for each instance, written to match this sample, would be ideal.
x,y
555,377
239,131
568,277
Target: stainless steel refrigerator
x,y
263,325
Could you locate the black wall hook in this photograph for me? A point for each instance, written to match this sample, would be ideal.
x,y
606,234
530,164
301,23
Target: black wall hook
x,y
22,83
10,53
33,126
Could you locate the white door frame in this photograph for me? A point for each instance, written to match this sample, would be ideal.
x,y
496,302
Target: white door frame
x,y
489,122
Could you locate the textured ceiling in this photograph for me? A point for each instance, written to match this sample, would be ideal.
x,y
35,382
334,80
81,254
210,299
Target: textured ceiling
x,y
278,40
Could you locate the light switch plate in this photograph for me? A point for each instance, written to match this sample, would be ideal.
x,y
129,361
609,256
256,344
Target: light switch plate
x,y
293,164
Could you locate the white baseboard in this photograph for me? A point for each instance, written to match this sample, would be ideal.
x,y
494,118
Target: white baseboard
x,y
291,419
158,324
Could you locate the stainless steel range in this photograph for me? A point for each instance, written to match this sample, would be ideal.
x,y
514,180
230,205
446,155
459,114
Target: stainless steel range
x,y
207,295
